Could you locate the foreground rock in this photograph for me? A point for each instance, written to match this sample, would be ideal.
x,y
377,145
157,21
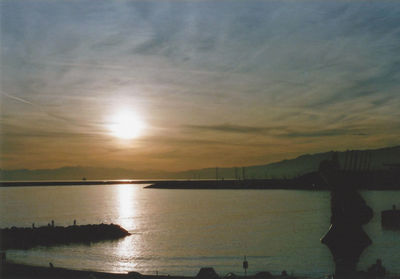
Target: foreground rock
x,y
24,238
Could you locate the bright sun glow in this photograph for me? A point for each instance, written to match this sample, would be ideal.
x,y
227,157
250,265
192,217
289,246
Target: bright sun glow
x,y
126,125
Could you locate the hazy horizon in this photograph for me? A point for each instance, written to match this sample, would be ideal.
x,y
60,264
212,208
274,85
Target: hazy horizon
x,y
174,85
204,167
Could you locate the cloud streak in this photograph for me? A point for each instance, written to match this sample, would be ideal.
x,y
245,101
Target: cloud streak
x,y
229,128
278,131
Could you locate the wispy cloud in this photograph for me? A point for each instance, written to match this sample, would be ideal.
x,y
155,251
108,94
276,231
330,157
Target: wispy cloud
x,y
279,131
323,133
230,128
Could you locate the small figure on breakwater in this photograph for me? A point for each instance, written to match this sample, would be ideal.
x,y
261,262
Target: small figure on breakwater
x,y
245,265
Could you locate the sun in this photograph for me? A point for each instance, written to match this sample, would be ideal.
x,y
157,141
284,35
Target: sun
x,y
126,125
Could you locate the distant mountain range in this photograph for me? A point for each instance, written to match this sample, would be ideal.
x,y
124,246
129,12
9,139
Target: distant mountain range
x,y
379,159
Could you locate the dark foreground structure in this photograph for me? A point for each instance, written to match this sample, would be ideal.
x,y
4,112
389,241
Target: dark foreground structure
x,y
346,238
25,238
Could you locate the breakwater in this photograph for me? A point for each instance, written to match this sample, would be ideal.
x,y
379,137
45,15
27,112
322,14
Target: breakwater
x,y
25,238
225,184
373,180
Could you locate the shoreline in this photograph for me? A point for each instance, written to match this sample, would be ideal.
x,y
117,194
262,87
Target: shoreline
x,y
11,270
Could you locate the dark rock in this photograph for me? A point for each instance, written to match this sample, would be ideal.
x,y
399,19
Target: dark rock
x,y
207,273
24,238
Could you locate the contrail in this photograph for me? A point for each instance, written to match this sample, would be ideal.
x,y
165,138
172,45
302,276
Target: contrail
x,y
50,114
18,99
36,106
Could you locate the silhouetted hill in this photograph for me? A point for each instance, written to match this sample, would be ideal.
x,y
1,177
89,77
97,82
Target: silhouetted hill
x,y
294,167
284,169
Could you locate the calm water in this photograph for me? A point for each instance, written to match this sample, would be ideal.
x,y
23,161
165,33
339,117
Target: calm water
x,y
179,231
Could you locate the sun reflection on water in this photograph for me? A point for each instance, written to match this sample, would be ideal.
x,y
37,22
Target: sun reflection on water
x,y
125,250
126,206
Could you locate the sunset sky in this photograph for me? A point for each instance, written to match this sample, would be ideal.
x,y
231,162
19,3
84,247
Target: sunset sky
x,y
201,83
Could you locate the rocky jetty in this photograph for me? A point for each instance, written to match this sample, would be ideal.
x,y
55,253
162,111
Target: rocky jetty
x,y
25,238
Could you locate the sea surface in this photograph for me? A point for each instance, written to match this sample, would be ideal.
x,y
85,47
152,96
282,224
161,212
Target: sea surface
x,y
179,231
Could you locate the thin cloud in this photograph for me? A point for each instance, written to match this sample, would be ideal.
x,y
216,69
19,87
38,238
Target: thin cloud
x,y
322,133
229,128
